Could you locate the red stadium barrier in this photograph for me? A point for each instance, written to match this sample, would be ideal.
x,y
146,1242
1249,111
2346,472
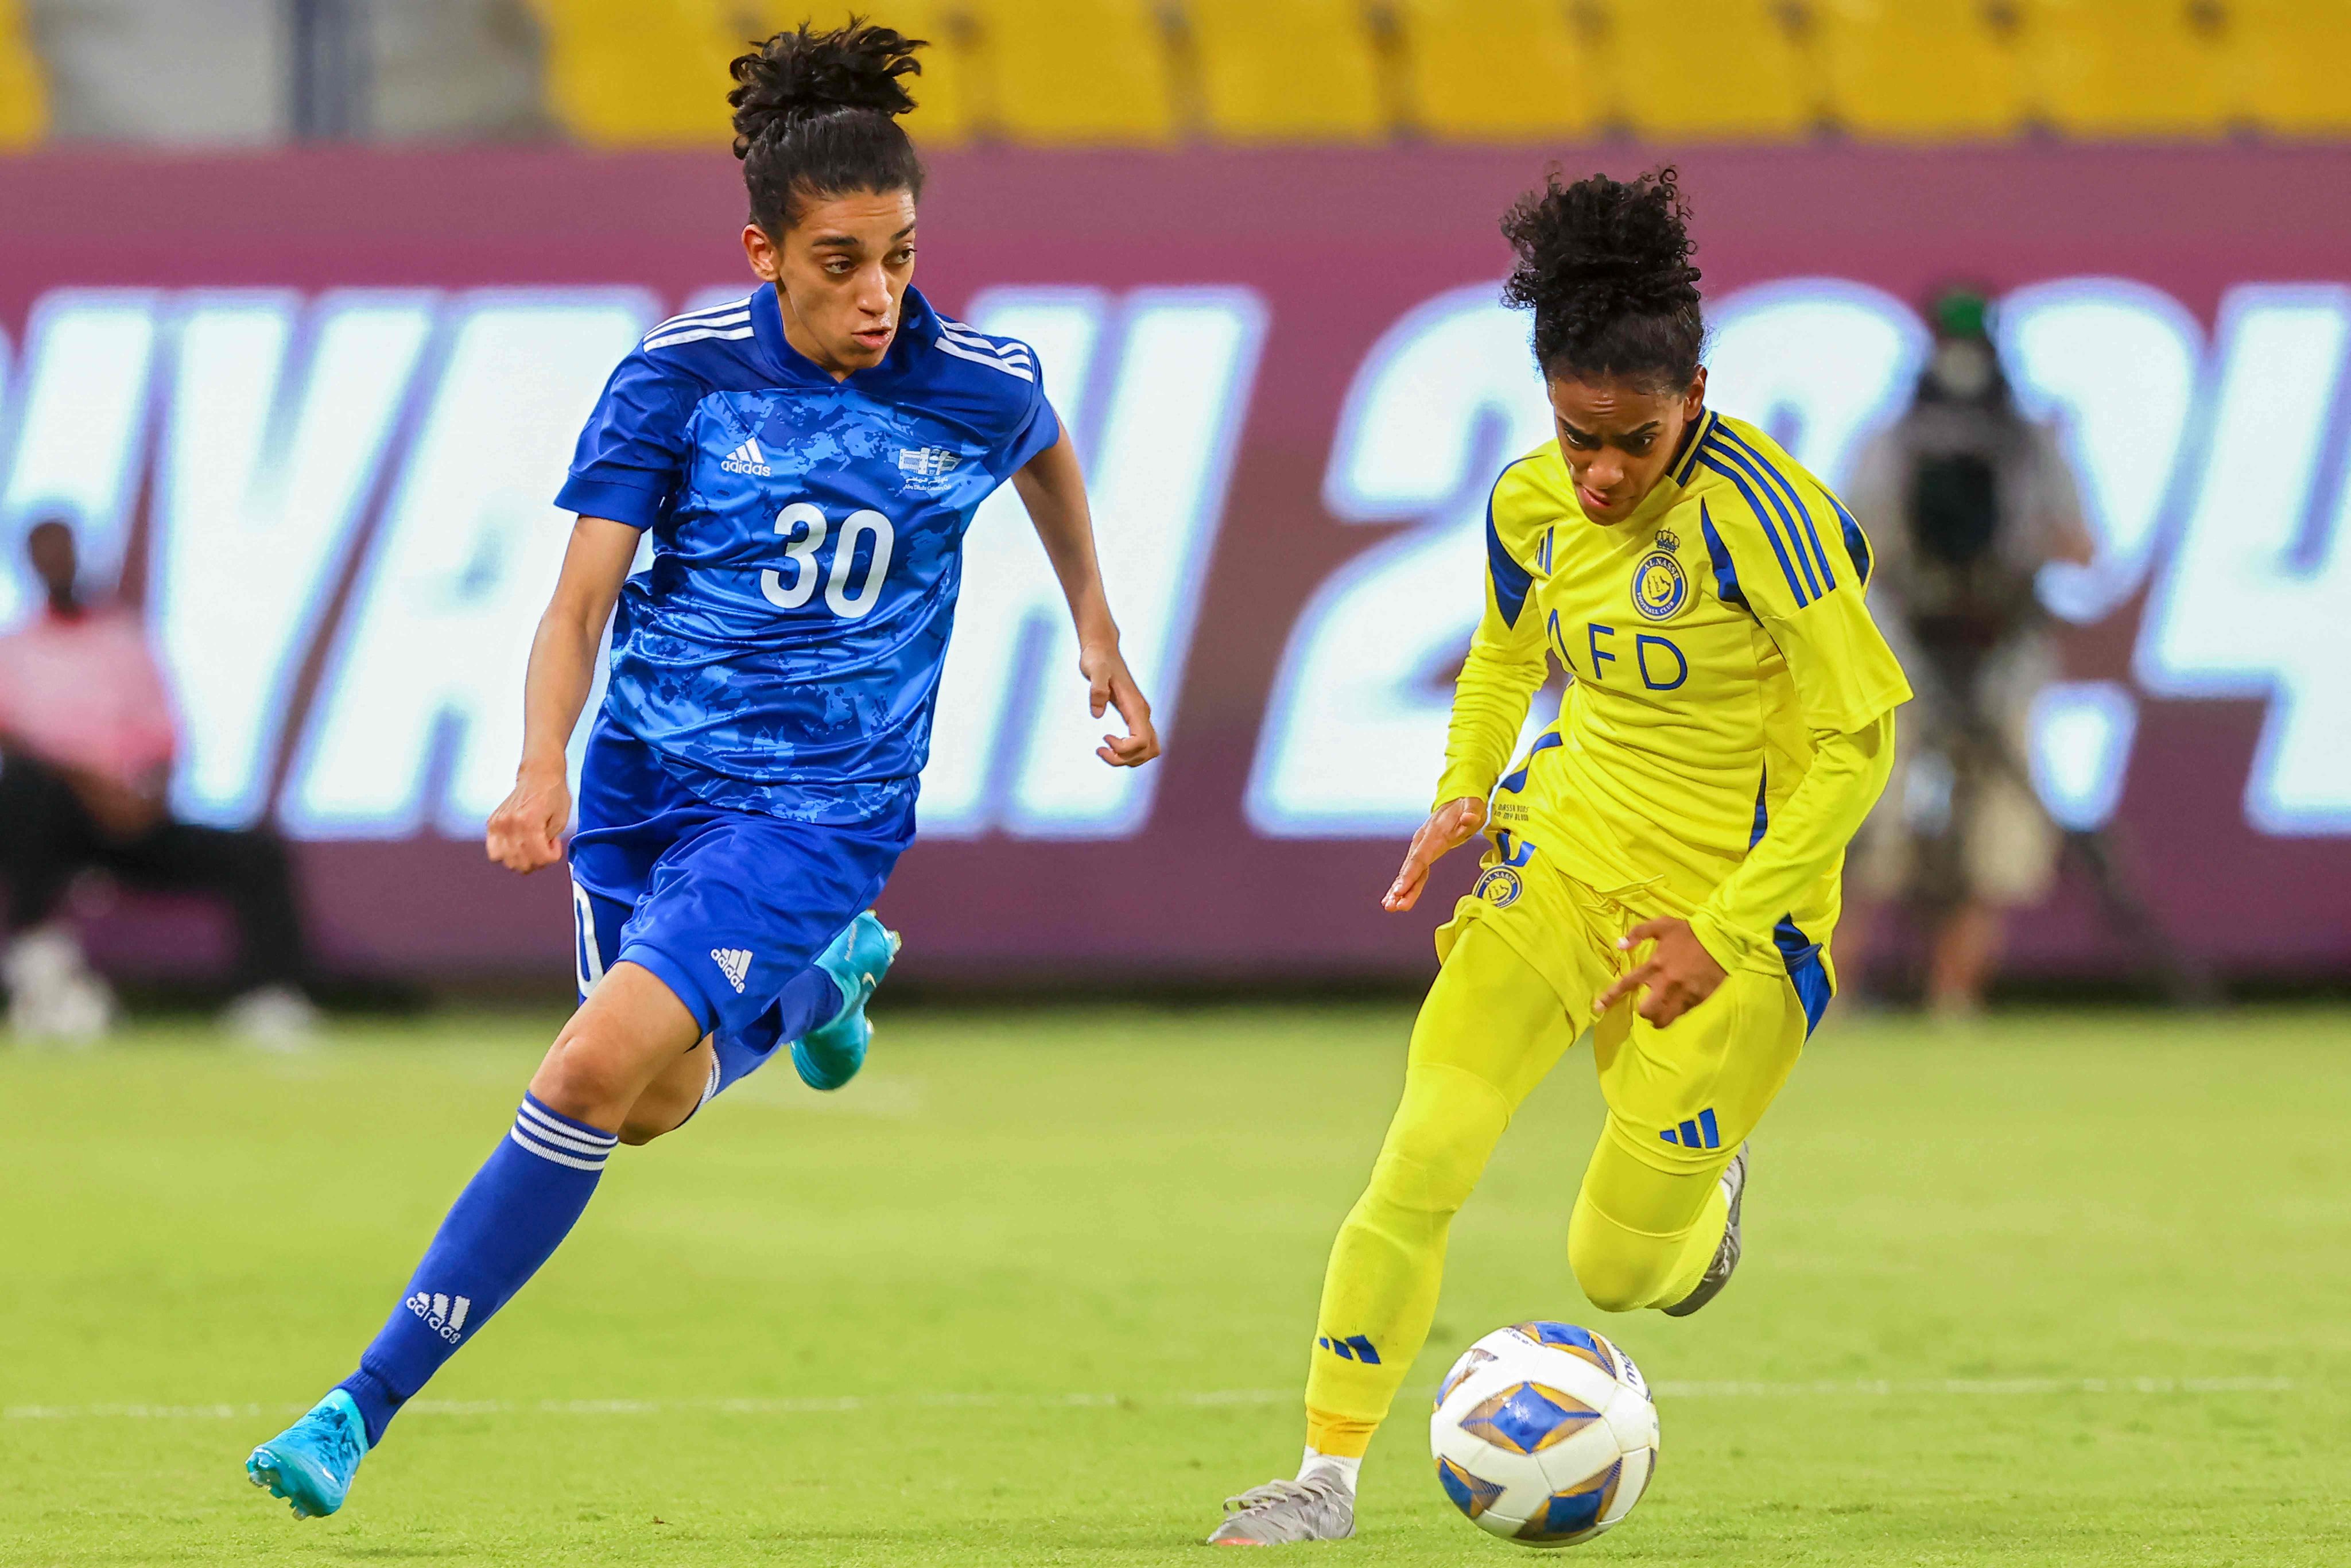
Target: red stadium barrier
x,y
1291,383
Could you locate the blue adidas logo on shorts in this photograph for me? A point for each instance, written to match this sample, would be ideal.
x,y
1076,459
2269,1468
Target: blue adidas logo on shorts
x,y
1701,1133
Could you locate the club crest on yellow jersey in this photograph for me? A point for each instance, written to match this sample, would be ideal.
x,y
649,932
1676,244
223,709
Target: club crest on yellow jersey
x,y
1498,885
1660,586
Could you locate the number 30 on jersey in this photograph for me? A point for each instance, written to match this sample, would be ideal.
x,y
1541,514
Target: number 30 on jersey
x,y
803,528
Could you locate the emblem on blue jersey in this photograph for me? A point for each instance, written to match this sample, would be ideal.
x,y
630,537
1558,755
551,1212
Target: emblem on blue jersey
x,y
926,468
1500,886
1659,587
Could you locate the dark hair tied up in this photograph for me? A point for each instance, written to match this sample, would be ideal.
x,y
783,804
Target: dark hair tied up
x,y
1604,266
816,116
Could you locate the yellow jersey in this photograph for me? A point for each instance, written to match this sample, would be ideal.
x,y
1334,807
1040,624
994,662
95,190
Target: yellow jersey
x,y
1717,641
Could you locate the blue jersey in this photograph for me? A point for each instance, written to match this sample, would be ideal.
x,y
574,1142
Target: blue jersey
x,y
783,653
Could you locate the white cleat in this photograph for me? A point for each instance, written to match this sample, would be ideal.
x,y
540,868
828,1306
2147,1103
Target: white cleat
x,y
1319,1508
1726,1257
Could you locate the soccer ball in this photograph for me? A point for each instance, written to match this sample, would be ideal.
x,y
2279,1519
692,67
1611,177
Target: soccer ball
x,y
1544,1433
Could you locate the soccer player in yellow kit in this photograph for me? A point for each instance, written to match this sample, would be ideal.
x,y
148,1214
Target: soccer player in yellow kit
x,y
1663,863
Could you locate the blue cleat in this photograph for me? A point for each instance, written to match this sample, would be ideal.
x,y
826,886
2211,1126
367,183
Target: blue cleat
x,y
828,1055
312,1463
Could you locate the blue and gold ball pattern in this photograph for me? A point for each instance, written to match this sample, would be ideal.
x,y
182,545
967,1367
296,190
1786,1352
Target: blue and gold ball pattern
x,y
1544,1433
1567,1517
1575,1340
1527,1418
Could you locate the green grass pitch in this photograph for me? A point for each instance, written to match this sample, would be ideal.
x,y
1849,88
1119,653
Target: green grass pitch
x,y
1038,1288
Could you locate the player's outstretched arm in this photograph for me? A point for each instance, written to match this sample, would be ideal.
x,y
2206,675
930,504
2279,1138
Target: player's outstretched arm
x,y
1450,826
525,831
1053,488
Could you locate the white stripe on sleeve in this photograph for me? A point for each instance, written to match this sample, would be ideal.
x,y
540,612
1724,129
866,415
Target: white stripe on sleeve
x,y
736,307
949,345
697,334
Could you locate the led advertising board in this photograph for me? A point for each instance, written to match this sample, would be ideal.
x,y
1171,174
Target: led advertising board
x,y
308,411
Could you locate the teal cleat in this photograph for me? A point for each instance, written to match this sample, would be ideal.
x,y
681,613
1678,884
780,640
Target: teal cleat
x,y
312,1463
828,1055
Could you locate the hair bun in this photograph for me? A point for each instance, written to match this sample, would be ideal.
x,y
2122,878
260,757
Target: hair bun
x,y
1602,248
801,73
1605,264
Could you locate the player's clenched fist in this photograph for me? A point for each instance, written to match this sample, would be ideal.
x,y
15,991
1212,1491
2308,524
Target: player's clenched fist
x,y
525,831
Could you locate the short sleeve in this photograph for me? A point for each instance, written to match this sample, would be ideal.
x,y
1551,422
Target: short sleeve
x,y
1802,564
630,459
1037,428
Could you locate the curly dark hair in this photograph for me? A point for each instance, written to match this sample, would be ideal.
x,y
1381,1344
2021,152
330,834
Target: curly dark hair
x,y
816,115
1604,266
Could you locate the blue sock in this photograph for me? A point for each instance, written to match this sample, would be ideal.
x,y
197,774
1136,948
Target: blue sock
x,y
809,999
509,1219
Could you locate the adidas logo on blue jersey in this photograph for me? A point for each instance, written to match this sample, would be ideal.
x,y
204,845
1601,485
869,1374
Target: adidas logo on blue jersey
x,y
748,459
735,963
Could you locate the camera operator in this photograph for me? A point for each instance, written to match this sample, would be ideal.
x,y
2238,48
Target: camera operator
x,y
1967,499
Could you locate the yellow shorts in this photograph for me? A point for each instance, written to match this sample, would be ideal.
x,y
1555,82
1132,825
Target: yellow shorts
x,y
1683,1097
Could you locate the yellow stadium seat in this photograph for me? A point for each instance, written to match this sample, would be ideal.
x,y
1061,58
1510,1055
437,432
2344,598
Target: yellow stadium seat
x,y
1076,73
2123,67
2292,65
1498,70
653,72
635,72
1918,70
1725,69
23,87
1288,70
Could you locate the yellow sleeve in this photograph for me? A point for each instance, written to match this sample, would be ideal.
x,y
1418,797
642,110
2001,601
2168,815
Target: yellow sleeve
x,y
1507,662
1802,563
1807,834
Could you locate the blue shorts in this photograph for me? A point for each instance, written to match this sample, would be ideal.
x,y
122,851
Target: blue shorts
x,y
725,905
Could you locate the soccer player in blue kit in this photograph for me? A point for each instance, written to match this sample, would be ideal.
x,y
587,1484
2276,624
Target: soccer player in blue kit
x,y
807,460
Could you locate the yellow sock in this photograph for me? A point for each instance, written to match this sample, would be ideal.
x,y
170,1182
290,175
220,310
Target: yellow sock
x,y
1329,1434
1379,1293
1490,1030
1643,1237
1700,1244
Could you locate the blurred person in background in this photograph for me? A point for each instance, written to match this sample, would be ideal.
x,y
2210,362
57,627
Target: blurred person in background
x,y
87,739
1971,499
